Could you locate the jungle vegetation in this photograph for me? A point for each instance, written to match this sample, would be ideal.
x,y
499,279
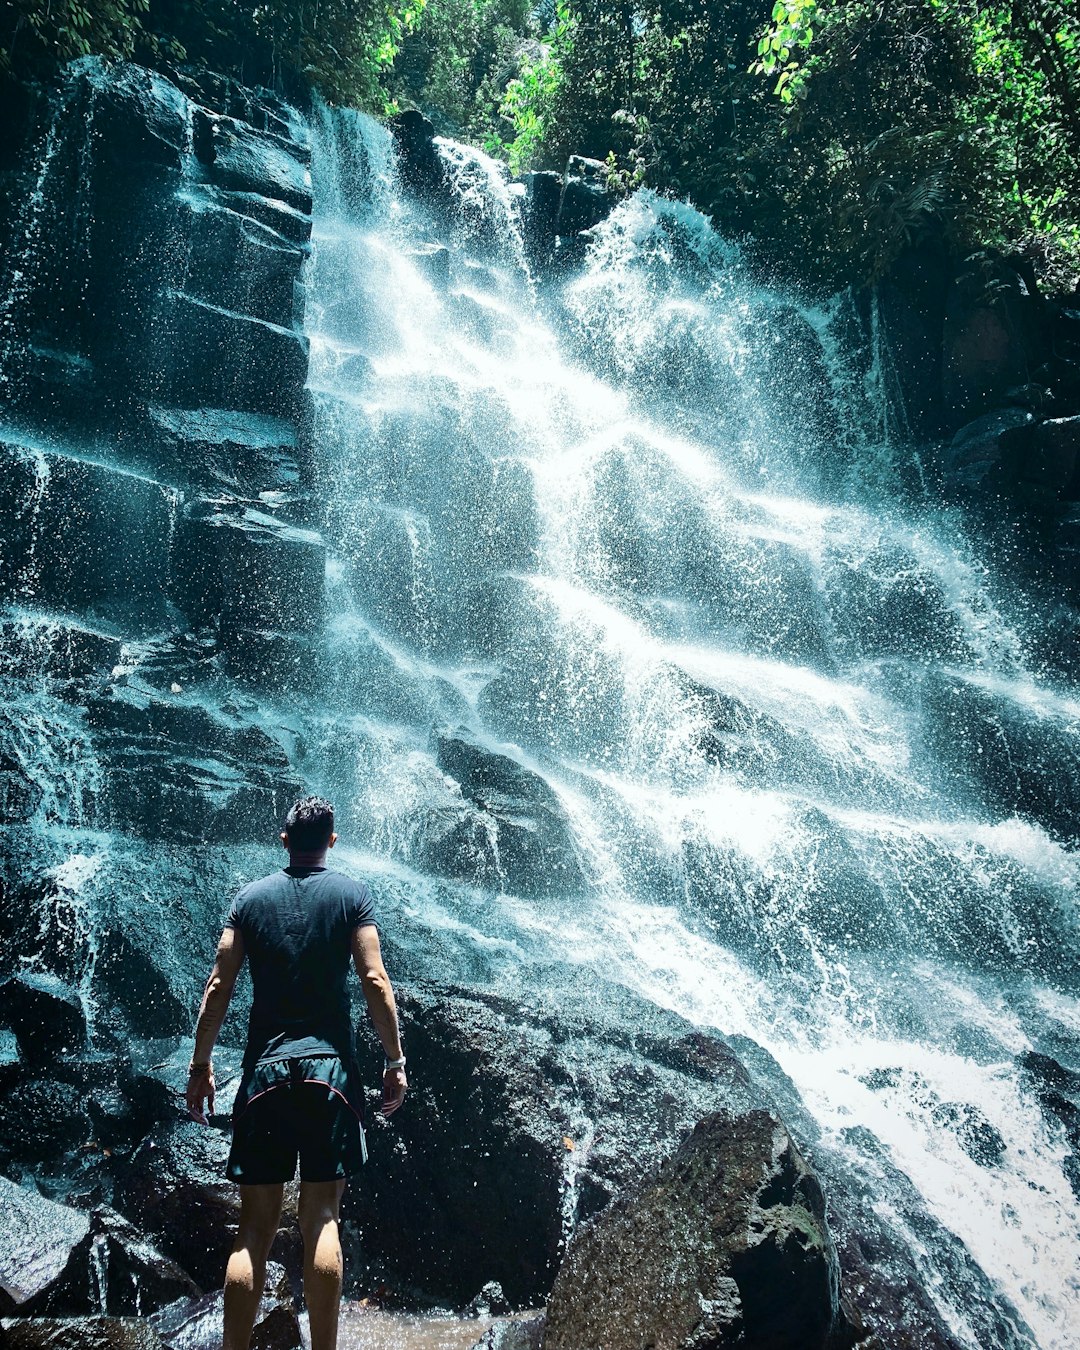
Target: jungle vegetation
x,y
831,133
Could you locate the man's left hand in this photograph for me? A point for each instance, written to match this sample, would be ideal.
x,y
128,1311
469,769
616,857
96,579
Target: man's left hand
x,y
200,1094
394,1085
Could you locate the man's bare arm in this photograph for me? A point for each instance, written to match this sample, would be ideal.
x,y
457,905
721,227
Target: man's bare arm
x,y
379,996
215,1004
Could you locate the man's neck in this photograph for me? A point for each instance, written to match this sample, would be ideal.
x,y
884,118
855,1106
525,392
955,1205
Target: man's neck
x,y
301,860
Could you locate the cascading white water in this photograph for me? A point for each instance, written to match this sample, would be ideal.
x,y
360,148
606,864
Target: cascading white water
x,y
643,537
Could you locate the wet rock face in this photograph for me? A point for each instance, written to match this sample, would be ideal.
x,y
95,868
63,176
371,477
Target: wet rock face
x,y
197,1324
726,1245
159,559
79,1333
524,1118
113,1270
174,1187
515,836
159,353
37,1238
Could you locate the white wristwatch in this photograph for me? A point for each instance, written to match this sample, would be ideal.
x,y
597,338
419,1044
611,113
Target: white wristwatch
x,y
393,1064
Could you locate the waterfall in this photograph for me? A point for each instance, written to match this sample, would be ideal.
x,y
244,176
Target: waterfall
x,y
638,533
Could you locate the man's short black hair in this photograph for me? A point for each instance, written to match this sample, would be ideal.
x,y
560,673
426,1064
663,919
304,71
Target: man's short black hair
x,y
309,824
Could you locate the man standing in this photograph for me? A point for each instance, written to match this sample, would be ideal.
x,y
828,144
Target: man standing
x,y
299,1094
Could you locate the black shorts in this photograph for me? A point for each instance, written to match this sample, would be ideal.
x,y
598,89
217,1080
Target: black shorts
x,y
295,1108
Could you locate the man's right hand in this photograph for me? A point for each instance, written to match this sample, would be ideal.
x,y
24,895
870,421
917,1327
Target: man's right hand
x,y
394,1087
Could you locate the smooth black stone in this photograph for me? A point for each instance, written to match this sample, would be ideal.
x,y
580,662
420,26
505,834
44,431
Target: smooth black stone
x,y
203,354
241,159
45,1014
138,116
1040,462
181,771
420,166
243,568
1019,762
539,216
970,460
586,199
242,452
238,264
522,840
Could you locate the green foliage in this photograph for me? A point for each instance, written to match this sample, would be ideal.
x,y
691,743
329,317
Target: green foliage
x,y
36,32
345,47
834,133
530,102
792,29
457,63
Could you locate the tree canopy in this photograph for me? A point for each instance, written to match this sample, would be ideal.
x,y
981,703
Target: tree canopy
x,y
832,134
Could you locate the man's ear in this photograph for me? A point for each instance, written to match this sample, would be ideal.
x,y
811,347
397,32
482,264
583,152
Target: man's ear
x,y
333,841
284,838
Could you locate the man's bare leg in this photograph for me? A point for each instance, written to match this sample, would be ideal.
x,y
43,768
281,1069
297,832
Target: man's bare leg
x,y
245,1275
318,1216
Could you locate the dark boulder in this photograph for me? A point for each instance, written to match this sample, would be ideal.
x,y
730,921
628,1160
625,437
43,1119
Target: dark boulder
x,y
971,459
113,1270
78,1333
244,159
992,335
1040,462
115,562
130,978
45,1014
1015,757
203,354
37,1238
1057,1090
139,117
586,198
725,1245
179,770
244,568
518,1333
896,1293
420,167
910,300
198,1325
525,1116
41,1121
540,215
174,1187
242,264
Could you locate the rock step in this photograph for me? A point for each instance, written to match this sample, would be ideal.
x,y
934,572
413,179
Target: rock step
x,y
84,536
725,1244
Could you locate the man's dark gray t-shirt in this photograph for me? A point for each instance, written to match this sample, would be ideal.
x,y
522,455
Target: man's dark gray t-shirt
x,y
297,927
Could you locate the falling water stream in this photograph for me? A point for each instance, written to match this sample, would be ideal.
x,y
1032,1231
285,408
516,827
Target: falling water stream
x,y
641,531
